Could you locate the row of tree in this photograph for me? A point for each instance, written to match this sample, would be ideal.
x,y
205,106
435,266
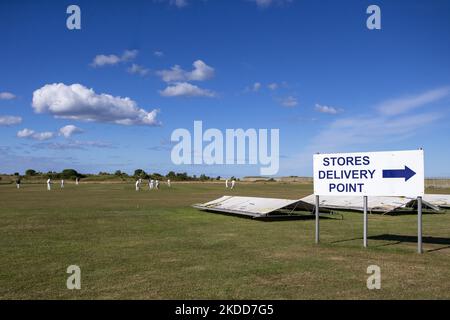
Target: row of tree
x,y
138,173
172,175
65,174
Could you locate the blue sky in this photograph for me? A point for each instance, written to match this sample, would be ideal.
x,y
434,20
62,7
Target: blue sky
x,y
309,68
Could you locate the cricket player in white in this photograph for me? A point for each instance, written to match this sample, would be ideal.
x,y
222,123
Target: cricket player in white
x,y
151,184
156,184
233,182
226,183
137,185
62,183
77,180
49,184
168,183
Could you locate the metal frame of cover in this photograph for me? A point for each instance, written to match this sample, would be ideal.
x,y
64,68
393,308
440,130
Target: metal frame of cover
x,y
251,206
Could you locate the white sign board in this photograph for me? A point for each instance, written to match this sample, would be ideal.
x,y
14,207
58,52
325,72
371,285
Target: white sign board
x,y
392,173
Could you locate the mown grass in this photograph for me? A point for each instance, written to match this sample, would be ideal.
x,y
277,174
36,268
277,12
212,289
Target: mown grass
x,y
153,245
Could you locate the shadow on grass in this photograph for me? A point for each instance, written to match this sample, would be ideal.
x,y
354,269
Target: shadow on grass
x,y
294,217
275,217
397,239
407,212
413,239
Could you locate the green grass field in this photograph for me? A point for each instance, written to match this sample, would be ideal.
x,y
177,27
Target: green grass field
x,y
153,245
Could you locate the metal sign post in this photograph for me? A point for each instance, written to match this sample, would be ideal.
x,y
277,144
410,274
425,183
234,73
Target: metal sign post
x,y
365,221
317,219
419,225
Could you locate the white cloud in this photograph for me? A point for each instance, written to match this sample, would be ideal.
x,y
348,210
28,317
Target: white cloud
x,y
179,3
326,109
66,131
28,133
405,104
379,127
129,55
186,89
289,101
112,59
174,74
158,54
263,3
9,120
80,103
73,144
256,86
268,3
137,69
200,72
176,3
25,133
364,130
272,86
69,130
103,60
6,96
43,135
